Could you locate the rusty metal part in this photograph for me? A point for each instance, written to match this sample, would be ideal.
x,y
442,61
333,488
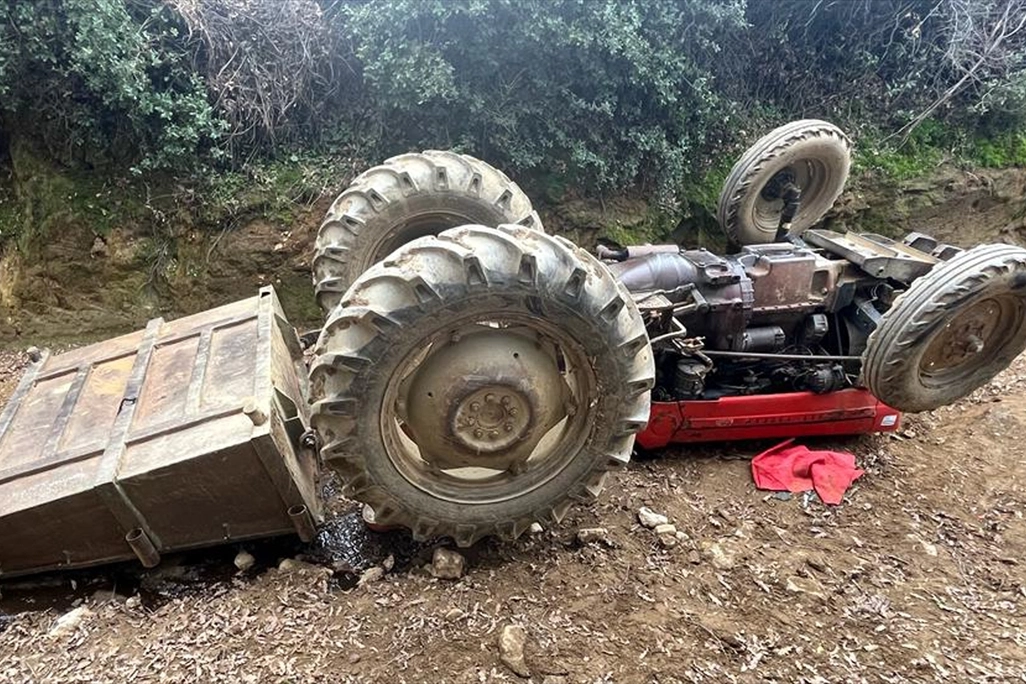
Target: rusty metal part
x,y
484,399
143,547
878,256
146,435
808,176
488,410
970,338
253,411
783,186
303,522
780,357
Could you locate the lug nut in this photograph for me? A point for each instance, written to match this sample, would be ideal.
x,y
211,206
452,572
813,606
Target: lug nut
x,y
508,427
490,398
512,410
493,434
506,401
479,433
475,407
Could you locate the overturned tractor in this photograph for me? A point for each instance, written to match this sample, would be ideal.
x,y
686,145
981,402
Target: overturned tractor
x,y
485,376
476,374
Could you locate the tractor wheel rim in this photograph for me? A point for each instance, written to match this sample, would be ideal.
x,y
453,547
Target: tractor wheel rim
x,y
973,339
492,478
810,175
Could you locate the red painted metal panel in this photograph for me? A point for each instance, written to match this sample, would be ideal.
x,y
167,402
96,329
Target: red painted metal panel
x,y
768,416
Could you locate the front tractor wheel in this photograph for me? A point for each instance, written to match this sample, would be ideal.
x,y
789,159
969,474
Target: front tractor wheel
x,y
785,182
479,381
951,332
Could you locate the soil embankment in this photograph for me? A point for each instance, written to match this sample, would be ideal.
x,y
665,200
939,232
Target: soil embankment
x,y
78,286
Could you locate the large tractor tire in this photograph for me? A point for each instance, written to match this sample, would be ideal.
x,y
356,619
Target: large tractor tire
x,y
405,198
951,332
813,155
481,380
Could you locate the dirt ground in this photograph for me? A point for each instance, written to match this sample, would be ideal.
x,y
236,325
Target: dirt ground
x,y
918,576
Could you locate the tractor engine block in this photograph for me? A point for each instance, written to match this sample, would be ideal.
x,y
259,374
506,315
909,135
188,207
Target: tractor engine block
x,y
764,299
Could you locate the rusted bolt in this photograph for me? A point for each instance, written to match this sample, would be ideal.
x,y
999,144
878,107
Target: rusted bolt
x,y
512,410
479,433
508,427
475,407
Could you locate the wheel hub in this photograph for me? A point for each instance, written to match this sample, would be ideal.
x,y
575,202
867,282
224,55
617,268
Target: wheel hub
x,y
964,338
492,418
483,398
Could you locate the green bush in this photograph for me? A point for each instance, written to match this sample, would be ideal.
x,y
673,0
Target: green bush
x,y
1004,150
99,84
604,92
237,98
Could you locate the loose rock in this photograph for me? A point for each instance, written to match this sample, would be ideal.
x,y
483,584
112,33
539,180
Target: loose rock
x,y
294,565
133,602
388,563
71,621
667,534
801,585
651,519
447,564
535,528
591,535
511,649
244,560
722,557
374,574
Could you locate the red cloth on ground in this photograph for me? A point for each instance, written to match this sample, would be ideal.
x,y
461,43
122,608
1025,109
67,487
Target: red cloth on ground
x,y
797,469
